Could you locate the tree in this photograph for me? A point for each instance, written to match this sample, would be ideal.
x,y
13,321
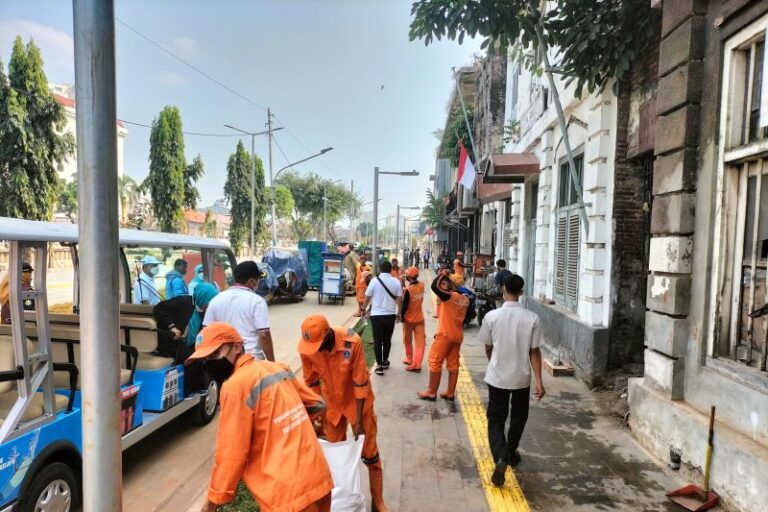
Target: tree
x,y
238,193
210,224
32,148
433,212
365,230
597,41
284,203
167,168
128,190
192,174
458,131
68,199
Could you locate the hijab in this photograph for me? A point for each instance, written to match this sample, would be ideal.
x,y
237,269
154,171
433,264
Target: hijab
x,y
202,295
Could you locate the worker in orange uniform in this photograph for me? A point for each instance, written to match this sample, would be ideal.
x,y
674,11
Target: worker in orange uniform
x,y
360,285
265,436
448,337
458,264
397,272
334,362
413,320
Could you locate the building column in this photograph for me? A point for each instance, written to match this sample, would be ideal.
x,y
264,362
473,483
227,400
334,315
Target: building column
x,y
542,287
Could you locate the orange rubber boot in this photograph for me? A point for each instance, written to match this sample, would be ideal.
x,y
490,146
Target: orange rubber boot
x,y
418,357
434,383
376,479
450,393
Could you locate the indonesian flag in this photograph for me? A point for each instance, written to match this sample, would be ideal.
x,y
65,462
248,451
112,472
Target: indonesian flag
x,y
466,174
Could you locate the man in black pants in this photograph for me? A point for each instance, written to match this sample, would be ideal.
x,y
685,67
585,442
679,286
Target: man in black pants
x,y
512,338
384,294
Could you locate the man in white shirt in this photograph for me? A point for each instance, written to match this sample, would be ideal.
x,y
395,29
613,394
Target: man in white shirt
x,y
512,338
384,294
144,289
245,310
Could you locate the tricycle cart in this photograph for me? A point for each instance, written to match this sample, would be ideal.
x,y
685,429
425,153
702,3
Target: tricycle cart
x,y
333,282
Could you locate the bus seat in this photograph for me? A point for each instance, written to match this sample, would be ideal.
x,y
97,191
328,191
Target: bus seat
x,y
7,361
152,362
35,409
136,309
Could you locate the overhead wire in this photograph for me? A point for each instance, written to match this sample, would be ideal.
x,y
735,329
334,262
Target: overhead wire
x,y
198,134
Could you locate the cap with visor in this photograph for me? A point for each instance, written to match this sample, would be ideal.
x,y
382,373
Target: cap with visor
x,y
211,338
313,331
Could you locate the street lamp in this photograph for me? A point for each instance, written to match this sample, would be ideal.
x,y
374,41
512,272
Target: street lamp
x,y
376,173
253,166
397,224
272,186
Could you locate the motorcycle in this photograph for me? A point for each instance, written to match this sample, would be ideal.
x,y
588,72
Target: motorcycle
x,y
471,310
486,302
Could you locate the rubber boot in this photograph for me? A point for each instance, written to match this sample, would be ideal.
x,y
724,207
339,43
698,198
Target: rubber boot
x,y
408,359
418,357
450,393
376,479
434,383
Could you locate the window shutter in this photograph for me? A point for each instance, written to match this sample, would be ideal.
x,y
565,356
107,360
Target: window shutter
x,y
572,269
560,256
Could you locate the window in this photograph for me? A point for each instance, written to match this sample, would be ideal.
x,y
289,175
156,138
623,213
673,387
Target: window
x,y
567,236
151,289
742,223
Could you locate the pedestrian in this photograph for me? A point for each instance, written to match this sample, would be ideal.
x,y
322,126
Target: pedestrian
x,y
413,320
512,338
443,259
416,257
265,435
426,259
498,280
198,279
175,284
384,294
244,309
334,365
448,338
5,292
396,270
458,264
144,290
360,285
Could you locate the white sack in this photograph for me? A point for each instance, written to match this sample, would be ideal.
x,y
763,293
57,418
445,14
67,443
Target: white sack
x,y
344,460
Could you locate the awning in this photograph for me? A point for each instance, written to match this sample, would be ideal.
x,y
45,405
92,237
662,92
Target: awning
x,y
510,168
490,192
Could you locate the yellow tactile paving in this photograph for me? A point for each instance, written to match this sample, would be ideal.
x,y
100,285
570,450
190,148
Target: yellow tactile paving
x,y
509,498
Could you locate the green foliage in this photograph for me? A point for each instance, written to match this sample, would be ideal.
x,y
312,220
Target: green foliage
x,y
284,203
209,224
192,173
68,199
458,131
128,190
243,501
432,214
31,147
167,168
597,41
238,193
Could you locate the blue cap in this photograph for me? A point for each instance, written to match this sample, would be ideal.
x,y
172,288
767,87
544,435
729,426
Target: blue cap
x,y
150,260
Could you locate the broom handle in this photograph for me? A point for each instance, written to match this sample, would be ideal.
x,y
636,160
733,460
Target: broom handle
x,y
708,461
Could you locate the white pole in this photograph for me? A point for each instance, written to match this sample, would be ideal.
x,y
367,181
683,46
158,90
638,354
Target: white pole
x,y
94,34
375,251
272,180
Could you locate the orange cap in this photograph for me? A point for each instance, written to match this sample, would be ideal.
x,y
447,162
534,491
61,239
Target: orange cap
x,y
412,272
456,279
313,331
212,337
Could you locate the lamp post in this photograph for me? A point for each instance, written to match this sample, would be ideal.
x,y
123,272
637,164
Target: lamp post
x,y
253,166
376,173
397,224
272,186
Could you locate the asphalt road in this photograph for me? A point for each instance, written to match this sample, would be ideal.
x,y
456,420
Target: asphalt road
x,y
169,470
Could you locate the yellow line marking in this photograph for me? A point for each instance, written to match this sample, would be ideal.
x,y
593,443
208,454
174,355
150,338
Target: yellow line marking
x,y
510,497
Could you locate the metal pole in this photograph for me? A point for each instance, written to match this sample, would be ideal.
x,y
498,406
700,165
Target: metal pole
x,y
94,31
325,212
397,230
271,180
253,185
352,212
375,252
466,119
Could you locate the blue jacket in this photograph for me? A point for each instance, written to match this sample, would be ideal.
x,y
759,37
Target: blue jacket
x,y
175,285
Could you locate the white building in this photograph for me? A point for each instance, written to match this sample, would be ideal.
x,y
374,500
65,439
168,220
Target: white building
x,y
65,95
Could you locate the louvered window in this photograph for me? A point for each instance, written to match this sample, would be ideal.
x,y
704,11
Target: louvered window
x,y
567,238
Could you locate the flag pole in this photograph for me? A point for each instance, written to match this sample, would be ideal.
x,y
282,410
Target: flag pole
x,y
466,118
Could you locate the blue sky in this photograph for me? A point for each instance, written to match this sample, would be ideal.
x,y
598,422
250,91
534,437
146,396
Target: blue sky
x,y
319,65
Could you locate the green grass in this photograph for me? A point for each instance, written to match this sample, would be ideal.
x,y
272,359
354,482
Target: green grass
x,y
367,337
243,501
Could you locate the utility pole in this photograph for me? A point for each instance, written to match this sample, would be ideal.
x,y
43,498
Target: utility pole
x,y
397,230
253,184
325,211
271,183
352,211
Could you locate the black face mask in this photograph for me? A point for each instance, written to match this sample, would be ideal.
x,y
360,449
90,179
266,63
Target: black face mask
x,y
219,369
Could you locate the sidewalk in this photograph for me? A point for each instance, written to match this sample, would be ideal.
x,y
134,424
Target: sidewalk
x,y
574,456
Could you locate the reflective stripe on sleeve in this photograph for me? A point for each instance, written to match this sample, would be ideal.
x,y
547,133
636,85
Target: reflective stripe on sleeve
x,y
264,383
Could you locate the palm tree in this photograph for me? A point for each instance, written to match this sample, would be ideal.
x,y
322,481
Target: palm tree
x,y
128,190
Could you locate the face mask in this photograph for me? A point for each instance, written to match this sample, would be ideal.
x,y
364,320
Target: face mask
x,y
219,369
155,270
200,276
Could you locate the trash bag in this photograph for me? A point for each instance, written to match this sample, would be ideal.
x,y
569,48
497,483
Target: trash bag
x,y
346,466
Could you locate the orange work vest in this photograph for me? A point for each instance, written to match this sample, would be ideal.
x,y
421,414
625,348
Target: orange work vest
x,y
415,313
450,325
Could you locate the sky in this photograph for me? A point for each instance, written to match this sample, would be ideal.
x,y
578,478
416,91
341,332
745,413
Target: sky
x,y
319,65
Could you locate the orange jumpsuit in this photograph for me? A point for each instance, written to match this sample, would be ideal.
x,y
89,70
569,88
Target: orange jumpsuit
x,y
413,324
450,332
396,272
458,267
360,285
265,438
342,375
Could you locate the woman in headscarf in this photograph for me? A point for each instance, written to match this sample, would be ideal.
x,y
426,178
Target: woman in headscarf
x,y
198,279
204,292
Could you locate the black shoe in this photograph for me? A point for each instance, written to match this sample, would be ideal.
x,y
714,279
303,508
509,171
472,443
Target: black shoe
x,y
379,370
385,365
514,460
499,474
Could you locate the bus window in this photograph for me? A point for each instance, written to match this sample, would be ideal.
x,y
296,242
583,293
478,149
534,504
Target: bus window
x,y
223,274
60,278
153,274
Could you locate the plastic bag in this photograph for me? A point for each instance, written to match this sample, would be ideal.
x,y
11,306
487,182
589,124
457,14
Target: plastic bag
x,y
344,460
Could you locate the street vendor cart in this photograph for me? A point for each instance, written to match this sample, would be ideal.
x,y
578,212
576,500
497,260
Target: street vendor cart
x,y
332,283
